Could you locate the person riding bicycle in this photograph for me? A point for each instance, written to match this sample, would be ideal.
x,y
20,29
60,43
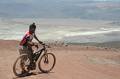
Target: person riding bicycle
x,y
26,43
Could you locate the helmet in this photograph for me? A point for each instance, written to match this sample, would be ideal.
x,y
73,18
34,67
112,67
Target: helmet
x,y
32,26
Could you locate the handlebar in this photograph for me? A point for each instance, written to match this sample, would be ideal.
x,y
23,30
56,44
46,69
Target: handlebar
x,y
45,45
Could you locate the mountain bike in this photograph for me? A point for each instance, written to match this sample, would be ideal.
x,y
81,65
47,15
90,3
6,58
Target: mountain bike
x,y
46,61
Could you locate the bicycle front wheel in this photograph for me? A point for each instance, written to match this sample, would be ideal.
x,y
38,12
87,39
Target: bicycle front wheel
x,y
47,62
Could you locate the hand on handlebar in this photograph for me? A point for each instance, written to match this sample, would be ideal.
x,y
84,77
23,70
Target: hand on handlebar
x,y
44,44
41,42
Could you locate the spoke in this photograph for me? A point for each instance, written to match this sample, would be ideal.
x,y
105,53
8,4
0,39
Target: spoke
x,y
47,62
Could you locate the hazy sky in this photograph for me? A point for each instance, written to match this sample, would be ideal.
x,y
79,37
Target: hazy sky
x,y
75,30
31,1
86,9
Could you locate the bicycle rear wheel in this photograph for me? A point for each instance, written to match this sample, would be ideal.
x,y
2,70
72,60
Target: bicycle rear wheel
x,y
47,62
21,64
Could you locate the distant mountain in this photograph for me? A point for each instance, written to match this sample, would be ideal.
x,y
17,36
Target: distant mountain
x,y
85,9
111,44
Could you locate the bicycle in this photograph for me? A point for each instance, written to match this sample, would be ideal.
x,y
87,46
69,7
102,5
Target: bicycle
x,y
42,55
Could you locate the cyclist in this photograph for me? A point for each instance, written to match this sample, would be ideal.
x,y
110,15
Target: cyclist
x,y
26,44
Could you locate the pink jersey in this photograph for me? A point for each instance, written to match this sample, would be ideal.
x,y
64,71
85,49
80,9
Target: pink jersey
x,y
28,37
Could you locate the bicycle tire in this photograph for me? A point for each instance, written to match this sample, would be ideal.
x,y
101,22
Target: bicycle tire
x,y
54,62
15,64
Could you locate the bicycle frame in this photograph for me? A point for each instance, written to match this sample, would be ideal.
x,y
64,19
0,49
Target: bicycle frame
x,y
37,54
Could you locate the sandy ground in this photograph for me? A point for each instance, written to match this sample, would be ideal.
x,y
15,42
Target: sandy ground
x,y
73,62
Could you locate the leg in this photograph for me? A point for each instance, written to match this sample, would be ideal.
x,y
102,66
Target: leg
x,y
30,55
23,59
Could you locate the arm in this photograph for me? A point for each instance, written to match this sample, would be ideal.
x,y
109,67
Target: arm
x,y
38,39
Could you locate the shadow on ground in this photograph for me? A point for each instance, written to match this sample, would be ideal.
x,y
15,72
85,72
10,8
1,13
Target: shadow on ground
x,y
31,74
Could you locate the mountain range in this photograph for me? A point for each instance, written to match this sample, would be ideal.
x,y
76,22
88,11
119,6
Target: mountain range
x,y
110,44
